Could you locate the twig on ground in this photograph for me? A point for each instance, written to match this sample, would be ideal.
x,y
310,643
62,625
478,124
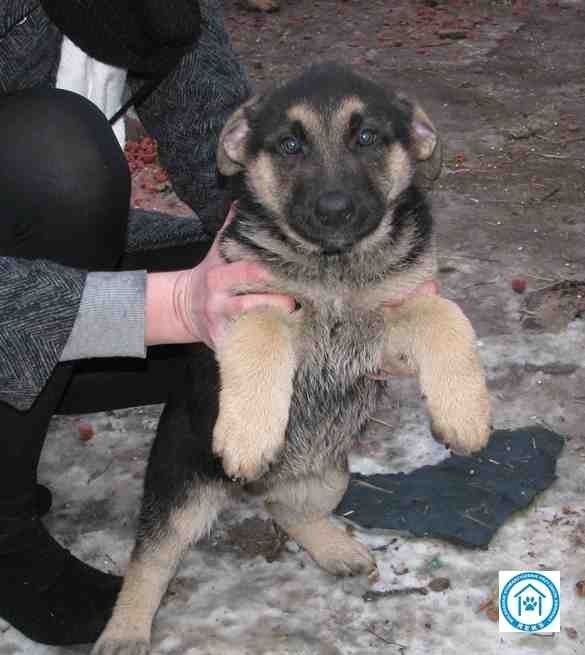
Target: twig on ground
x,y
553,280
372,595
545,288
362,483
475,520
549,195
401,647
548,155
561,143
528,312
98,474
435,45
380,421
474,257
480,284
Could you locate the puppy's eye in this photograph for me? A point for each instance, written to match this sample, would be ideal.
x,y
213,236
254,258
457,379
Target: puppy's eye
x,y
367,137
290,146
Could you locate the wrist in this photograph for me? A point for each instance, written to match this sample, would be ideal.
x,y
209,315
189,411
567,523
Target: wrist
x,y
167,309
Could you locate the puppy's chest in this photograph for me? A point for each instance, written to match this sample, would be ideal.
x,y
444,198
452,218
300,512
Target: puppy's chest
x,y
333,391
339,346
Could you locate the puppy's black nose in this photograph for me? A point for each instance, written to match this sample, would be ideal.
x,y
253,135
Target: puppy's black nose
x,y
334,206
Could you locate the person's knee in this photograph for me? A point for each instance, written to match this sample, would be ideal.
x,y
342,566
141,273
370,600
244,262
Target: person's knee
x,y
68,176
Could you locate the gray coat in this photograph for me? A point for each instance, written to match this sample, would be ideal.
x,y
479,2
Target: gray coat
x,y
39,300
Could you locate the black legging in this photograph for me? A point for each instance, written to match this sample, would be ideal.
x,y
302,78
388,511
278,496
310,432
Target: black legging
x,y
64,194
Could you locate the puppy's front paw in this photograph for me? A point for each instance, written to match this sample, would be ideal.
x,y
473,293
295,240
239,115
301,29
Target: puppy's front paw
x,y
120,647
246,448
460,412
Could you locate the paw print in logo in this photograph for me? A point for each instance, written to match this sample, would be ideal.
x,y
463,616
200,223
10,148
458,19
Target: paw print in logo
x,y
529,603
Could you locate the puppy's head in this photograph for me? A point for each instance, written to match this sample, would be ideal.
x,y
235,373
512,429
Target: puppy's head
x,y
328,154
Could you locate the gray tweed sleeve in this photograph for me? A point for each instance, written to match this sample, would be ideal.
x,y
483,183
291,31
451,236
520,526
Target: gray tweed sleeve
x,y
30,46
39,302
186,113
110,320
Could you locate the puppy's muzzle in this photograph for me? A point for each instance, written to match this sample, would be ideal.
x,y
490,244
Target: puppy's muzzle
x,y
334,208
334,222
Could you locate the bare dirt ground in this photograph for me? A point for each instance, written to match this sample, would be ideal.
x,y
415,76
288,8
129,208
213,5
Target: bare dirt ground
x,y
505,84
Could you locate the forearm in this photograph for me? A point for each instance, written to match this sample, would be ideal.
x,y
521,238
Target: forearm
x,y
168,299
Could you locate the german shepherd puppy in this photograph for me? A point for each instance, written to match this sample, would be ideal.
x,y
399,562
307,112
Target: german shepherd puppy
x,y
333,167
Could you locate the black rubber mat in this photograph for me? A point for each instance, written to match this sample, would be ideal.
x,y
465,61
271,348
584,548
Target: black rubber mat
x,y
463,499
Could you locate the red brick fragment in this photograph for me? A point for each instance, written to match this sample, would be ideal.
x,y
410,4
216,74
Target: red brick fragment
x,y
86,431
519,284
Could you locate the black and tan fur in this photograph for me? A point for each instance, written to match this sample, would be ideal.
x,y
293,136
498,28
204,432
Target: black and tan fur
x,y
334,169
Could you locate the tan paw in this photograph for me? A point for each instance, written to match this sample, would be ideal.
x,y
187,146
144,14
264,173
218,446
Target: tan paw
x,y
247,450
460,412
340,554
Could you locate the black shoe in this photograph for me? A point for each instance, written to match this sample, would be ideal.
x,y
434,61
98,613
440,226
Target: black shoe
x,y
48,594
44,500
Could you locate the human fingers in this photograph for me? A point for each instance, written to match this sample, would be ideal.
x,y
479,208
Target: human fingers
x,y
428,288
226,277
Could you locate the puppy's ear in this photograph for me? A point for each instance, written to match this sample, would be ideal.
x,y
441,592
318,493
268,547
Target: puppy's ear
x,y
425,146
429,148
231,151
424,138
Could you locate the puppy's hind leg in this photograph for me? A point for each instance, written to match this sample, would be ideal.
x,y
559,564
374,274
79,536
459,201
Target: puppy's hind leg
x,y
161,542
302,508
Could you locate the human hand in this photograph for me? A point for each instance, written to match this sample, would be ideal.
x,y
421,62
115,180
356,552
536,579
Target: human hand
x,y
428,288
205,300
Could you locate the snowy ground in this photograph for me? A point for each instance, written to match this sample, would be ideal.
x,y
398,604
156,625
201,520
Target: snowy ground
x,y
228,599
